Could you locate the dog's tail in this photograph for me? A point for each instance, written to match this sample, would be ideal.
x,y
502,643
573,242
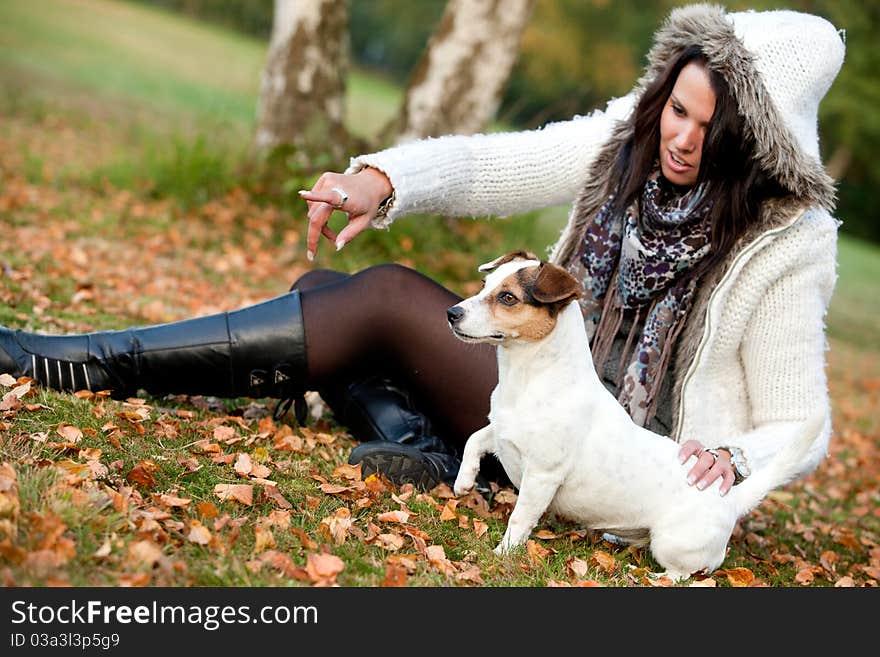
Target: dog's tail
x,y
783,467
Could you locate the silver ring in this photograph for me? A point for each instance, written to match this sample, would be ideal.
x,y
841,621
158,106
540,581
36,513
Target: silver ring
x,y
342,194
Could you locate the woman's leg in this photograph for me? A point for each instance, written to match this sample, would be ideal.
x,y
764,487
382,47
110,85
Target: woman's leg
x,y
391,320
386,320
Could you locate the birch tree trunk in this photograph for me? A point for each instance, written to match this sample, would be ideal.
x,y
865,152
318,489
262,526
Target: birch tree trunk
x,y
457,84
302,88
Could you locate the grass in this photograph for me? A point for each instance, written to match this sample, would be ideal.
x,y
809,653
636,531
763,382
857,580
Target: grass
x,y
124,201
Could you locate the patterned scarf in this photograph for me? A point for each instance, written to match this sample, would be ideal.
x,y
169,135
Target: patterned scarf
x,y
642,260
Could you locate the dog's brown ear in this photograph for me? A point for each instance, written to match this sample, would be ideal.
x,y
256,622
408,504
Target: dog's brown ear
x,y
554,284
513,255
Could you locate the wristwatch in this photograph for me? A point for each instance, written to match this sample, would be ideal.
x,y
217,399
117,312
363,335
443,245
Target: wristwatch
x,y
741,468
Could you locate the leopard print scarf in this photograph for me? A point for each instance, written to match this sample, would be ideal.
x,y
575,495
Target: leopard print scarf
x,y
638,261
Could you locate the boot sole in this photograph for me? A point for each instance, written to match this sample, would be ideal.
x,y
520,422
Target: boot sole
x,y
400,469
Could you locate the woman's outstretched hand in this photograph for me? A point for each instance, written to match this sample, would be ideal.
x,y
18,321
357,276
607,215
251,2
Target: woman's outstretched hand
x,y
358,195
707,468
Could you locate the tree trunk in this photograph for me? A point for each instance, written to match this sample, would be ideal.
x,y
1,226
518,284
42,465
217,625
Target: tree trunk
x,y
302,88
457,84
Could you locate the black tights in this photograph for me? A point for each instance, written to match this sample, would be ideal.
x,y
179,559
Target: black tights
x,y
391,320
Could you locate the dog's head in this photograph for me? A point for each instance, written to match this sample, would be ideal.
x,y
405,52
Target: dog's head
x,y
521,300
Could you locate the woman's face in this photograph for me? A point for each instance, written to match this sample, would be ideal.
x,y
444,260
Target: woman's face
x,y
683,125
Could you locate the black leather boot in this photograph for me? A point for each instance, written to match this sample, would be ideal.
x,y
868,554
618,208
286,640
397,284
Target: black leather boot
x,y
398,440
256,351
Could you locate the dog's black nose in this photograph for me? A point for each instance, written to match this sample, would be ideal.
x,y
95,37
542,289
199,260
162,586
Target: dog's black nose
x,y
454,314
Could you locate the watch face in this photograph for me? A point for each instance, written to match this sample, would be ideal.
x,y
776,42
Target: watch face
x,y
739,462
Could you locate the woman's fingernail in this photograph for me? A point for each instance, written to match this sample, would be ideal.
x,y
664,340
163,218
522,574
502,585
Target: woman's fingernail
x,y
310,256
691,480
339,244
303,191
682,459
701,485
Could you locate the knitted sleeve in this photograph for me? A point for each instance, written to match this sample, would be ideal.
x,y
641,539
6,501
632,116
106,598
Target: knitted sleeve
x,y
783,352
497,174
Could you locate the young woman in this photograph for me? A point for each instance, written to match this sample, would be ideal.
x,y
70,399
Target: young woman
x,y
700,228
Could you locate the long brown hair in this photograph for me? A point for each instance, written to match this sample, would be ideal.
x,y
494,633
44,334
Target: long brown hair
x,y
735,184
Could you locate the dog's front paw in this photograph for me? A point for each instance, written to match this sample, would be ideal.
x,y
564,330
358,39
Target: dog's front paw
x,y
463,485
460,487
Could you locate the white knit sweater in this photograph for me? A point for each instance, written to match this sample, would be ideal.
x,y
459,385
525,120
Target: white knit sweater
x,y
758,373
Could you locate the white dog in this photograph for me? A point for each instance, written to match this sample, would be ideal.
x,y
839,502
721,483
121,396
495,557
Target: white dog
x,y
570,447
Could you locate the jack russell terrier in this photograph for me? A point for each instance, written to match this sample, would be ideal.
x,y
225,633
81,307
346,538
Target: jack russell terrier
x,y
570,447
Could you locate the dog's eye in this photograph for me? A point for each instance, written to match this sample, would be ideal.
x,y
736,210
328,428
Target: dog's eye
x,y
507,298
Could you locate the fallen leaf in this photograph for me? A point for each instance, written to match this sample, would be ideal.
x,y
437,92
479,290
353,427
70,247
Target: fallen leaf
x,y
69,432
391,542
243,493
198,533
393,516
243,464
395,576
323,569
347,471
272,493
536,551
142,474
448,512
480,527
264,538
577,567
143,554
604,561
174,501
739,576
336,527
436,556
804,576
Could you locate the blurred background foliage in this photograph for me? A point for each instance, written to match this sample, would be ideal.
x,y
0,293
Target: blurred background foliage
x,y
576,54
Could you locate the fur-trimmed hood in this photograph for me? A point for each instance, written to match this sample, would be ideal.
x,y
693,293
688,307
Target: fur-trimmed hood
x,y
778,65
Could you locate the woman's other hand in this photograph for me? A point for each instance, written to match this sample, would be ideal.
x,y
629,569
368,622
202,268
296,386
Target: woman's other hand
x,y
358,195
707,468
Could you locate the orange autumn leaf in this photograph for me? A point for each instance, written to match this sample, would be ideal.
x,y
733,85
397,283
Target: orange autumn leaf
x,y
223,433
69,432
394,576
323,569
393,516
480,527
347,471
536,551
174,501
207,510
198,533
604,561
392,542
804,576
436,556
263,539
448,512
243,493
272,493
337,526
545,535
739,576
334,489
142,474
